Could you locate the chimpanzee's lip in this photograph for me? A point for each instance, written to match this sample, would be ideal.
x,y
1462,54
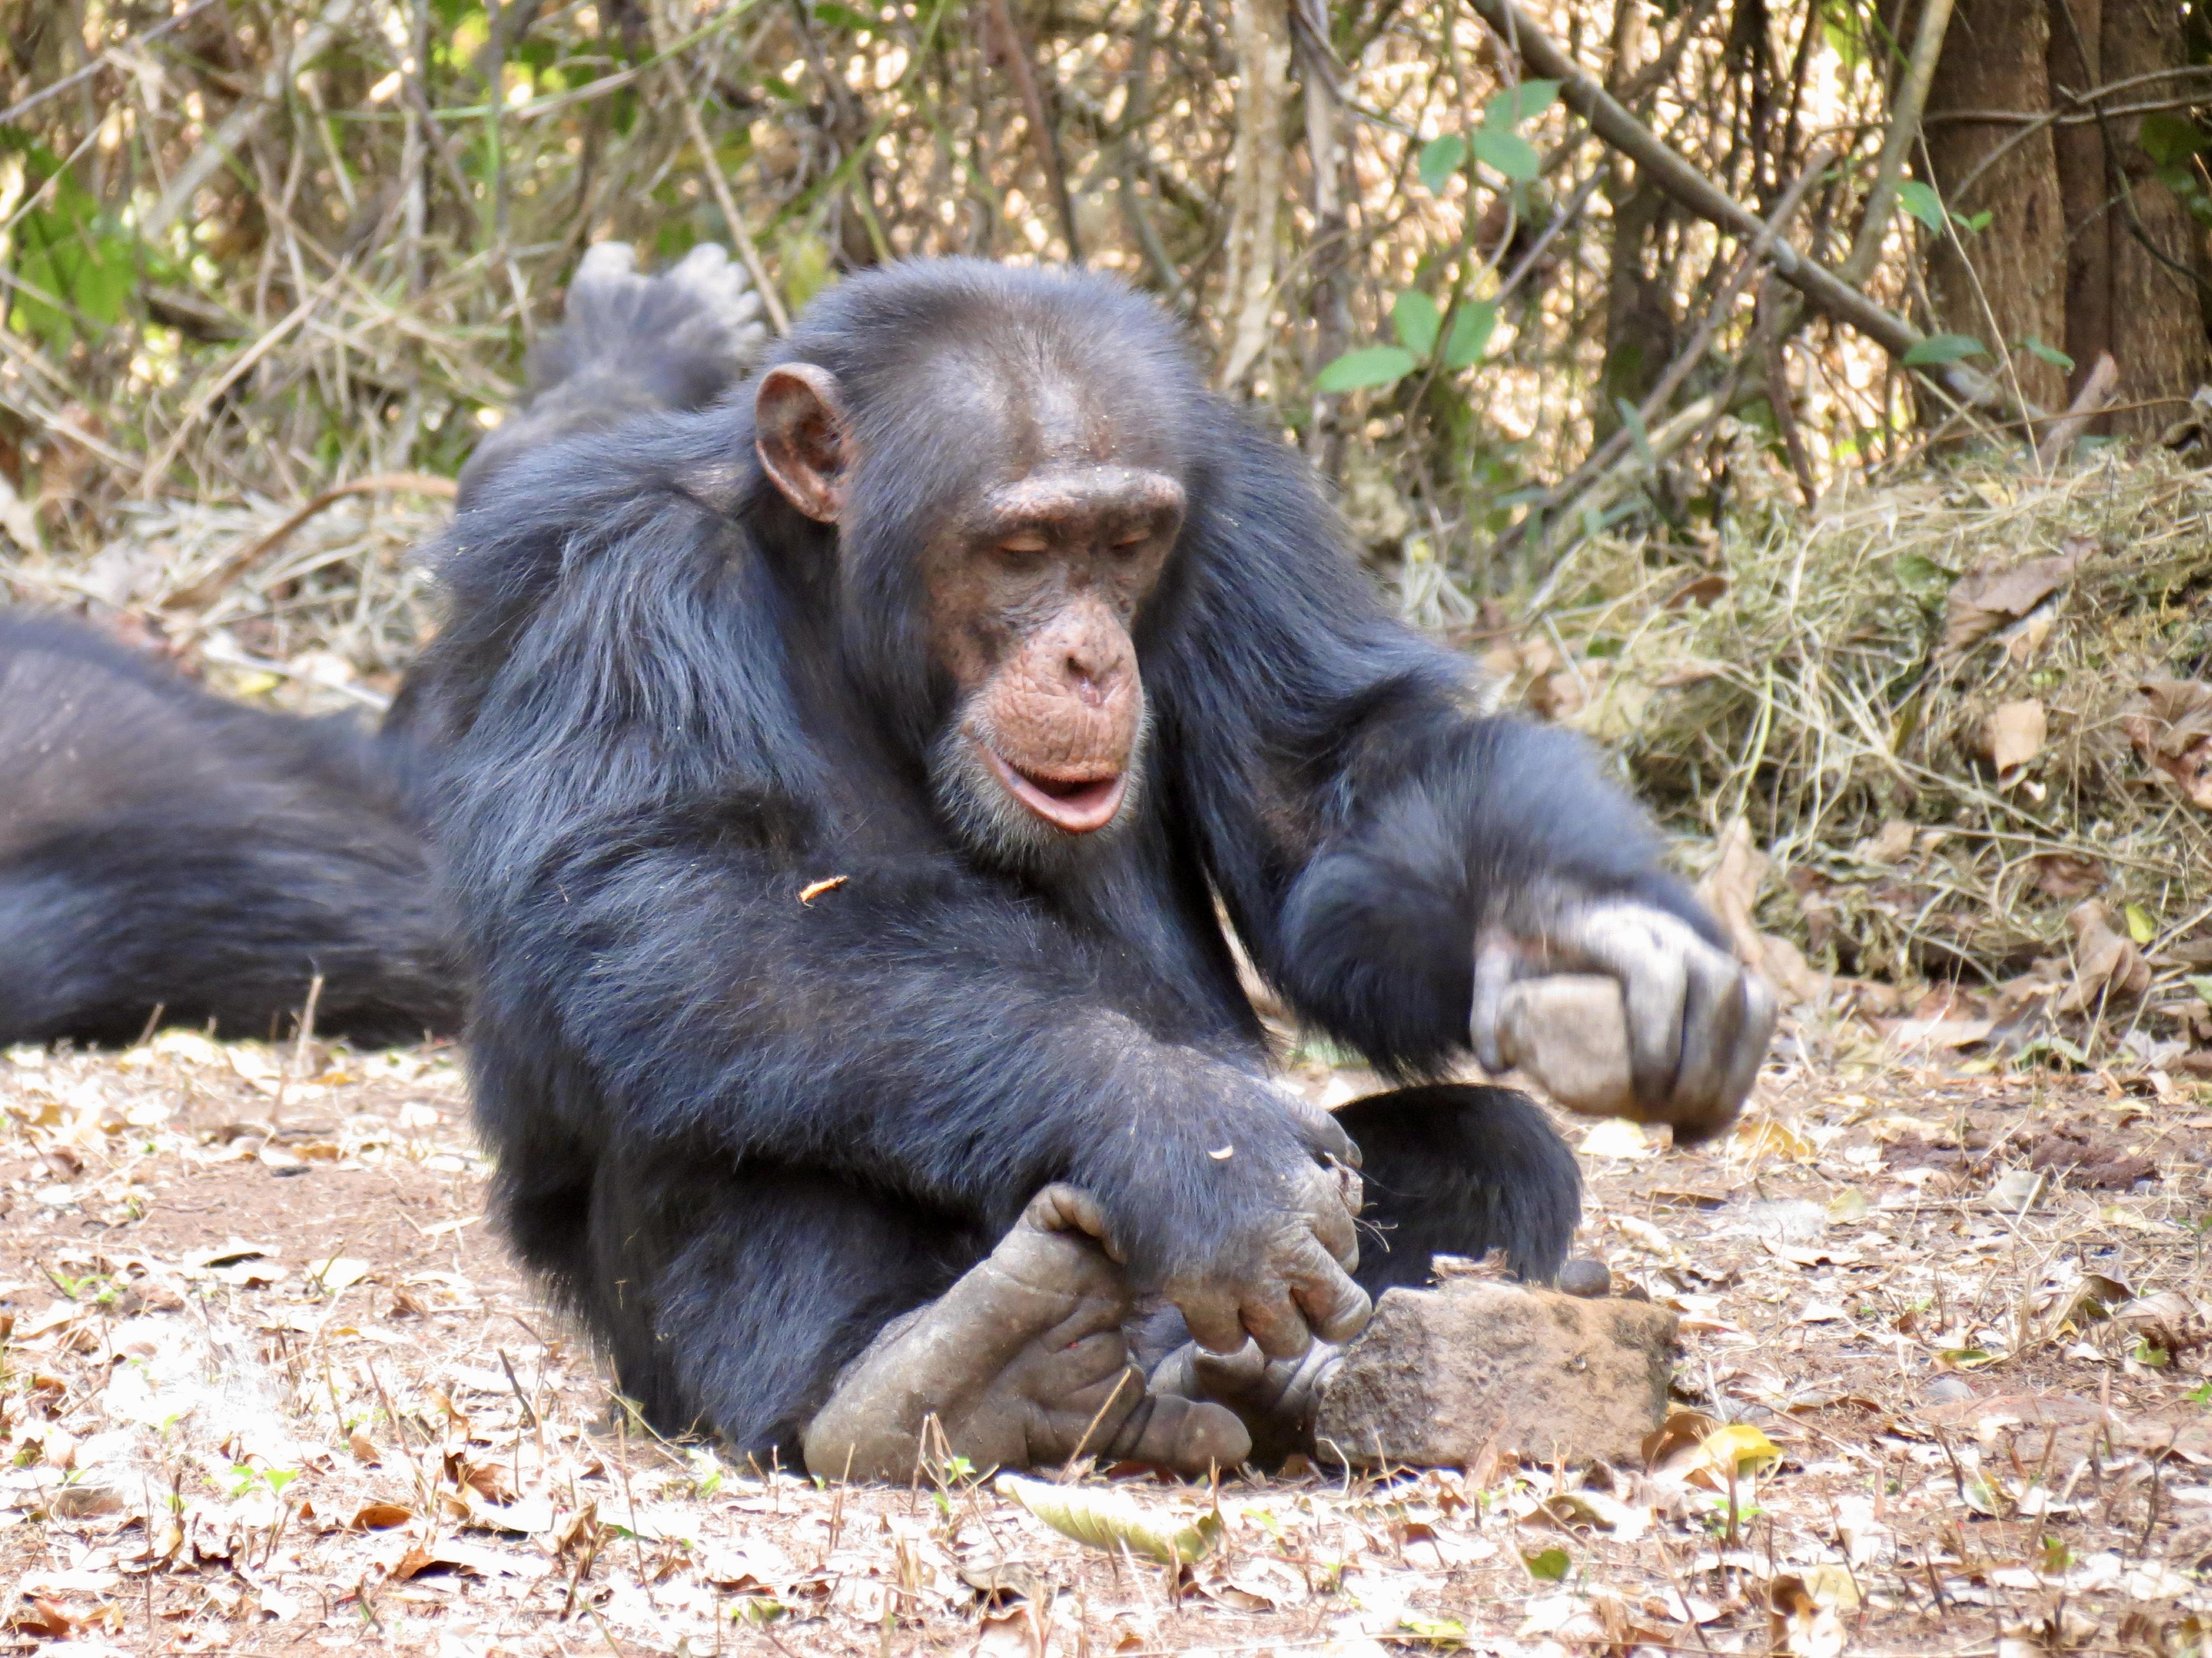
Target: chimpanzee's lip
x,y
1076,804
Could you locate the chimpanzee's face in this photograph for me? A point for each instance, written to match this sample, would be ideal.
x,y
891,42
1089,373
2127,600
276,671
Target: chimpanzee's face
x,y
1032,586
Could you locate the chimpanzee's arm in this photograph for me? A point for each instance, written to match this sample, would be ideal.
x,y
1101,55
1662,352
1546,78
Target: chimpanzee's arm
x,y
1374,837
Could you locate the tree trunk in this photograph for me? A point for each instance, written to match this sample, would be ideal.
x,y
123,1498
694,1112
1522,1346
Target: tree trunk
x,y
2010,285
1331,282
2157,329
2082,190
1262,29
1640,323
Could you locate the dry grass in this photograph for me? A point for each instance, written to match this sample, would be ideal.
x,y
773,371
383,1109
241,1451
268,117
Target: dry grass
x,y
323,619
1793,673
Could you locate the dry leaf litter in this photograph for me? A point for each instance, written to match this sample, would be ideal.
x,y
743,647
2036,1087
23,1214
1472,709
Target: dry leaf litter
x,y
271,1385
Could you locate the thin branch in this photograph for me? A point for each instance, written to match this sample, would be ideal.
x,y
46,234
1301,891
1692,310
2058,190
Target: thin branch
x,y
1017,58
2083,110
105,60
748,251
1903,126
241,123
1826,291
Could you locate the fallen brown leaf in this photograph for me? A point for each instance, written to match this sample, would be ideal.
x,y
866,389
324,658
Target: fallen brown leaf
x,y
2012,735
2107,964
1731,889
1986,598
1892,845
42,1617
2170,724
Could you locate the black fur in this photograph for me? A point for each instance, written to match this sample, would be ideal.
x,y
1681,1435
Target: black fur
x,y
160,848
1452,1171
740,1131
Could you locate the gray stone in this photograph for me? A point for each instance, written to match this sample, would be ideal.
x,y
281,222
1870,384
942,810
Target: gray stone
x,y
1440,1375
1585,1278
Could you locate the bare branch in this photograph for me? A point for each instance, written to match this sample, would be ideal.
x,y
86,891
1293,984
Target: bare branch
x,y
1822,288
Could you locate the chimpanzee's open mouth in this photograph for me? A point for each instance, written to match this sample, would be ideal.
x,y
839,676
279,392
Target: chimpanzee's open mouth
x,y
1077,805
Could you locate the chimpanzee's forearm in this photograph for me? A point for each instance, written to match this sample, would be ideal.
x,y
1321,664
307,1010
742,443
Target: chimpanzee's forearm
x,y
952,1050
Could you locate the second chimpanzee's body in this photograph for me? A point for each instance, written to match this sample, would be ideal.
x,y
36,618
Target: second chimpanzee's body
x,y
165,854
782,1016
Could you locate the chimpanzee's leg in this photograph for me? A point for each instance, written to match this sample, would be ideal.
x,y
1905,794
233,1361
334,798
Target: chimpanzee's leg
x,y
1456,1170
795,1313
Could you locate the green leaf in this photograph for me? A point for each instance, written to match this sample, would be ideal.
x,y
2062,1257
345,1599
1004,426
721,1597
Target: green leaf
x,y
1922,202
1433,1632
1508,153
1637,434
1110,1520
1415,317
1440,159
1470,334
1939,349
1525,102
1370,366
2049,353
2140,927
2169,138
1920,575
841,17
2201,984
1547,1565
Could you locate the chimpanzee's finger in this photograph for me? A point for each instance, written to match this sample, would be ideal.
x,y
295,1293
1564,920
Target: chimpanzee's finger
x,y
1756,1031
1061,1207
1222,1375
1271,1312
1712,1024
1209,1312
1072,1374
1331,1208
1649,953
1652,987
1496,965
1189,1436
1335,1308
1324,1135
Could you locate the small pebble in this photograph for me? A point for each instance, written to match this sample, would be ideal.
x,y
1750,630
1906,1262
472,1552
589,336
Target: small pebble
x,y
1947,1390
1588,1279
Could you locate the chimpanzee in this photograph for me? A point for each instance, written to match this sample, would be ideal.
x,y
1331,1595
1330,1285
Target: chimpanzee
x,y
164,851
837,787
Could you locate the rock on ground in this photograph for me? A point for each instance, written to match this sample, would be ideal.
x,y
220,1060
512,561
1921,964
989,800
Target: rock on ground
x,y
1442,1374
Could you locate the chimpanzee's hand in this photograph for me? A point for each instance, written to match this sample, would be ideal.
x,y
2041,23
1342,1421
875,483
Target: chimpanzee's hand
x,y
1290,1282
1243,1218
1698,1023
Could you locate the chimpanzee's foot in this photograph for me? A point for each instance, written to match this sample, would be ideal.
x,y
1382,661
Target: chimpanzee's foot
x,y
1022,1363
629,345
702,309
1275,1399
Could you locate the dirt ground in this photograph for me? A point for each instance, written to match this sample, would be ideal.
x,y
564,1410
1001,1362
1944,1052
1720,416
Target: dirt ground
x,y
271,1384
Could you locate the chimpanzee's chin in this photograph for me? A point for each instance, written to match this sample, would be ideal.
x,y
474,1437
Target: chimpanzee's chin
x,y
996,825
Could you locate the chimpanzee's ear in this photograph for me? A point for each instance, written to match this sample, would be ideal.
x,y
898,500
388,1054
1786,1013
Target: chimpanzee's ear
x,y
801,434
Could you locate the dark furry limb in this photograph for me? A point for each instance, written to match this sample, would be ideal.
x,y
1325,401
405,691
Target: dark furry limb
x,y
161,848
